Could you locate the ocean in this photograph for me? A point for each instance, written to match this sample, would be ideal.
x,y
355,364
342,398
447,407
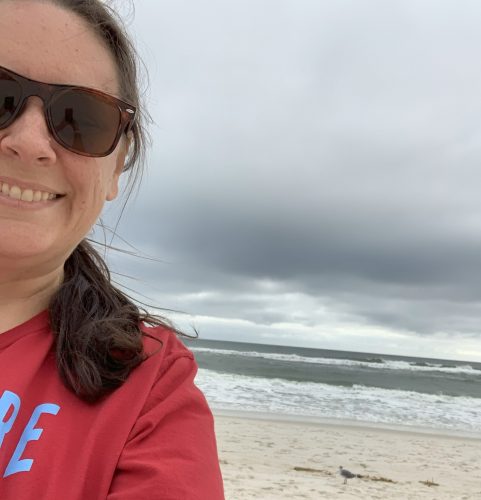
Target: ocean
x,y
323,384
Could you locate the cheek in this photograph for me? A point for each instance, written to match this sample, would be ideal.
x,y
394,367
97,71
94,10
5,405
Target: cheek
x,y
89,187
92,181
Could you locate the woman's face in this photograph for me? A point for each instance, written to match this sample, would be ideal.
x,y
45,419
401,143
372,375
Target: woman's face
x,y
47,43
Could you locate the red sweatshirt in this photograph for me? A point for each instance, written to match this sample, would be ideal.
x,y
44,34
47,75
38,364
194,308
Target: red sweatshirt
x,y
153,438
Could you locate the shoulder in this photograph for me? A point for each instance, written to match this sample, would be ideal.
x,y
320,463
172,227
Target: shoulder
x,y
166,353
168,376
165,340
172,433
165,377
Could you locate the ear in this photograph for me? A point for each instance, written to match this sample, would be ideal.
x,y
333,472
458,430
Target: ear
x,y
124,147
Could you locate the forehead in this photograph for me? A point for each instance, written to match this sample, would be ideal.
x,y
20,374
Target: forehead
x,y
48,43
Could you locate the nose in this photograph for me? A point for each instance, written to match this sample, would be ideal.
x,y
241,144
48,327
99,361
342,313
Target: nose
x,y
28,138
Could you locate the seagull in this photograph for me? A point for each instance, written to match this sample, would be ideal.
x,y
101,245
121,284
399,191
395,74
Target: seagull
x,y
347,474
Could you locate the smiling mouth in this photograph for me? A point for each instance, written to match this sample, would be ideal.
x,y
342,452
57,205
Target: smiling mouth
x,y
28,195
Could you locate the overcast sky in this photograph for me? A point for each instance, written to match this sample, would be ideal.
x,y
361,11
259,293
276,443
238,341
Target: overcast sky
x,y
315,173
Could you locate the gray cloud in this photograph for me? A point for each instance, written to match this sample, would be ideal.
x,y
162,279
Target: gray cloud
x,y
333,148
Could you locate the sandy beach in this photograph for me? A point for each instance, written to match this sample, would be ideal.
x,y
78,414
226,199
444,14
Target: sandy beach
x,y
265,458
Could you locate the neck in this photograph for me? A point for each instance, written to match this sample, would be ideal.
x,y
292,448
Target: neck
x,y
22,297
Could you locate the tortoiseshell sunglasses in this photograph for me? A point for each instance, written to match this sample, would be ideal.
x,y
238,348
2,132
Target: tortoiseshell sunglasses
x,y
83,120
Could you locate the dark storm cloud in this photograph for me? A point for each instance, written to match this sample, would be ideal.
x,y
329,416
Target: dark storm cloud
x,y
333,148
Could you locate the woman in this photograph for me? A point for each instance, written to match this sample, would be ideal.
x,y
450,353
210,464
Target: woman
x,y
94,404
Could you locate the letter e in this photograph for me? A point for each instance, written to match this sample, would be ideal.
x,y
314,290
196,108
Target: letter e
x,y
30,433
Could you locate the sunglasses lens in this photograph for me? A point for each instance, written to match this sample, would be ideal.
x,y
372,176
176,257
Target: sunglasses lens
x,y
10,94
85,122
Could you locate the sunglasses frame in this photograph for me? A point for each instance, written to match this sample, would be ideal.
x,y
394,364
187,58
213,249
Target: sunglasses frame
x,y
49,91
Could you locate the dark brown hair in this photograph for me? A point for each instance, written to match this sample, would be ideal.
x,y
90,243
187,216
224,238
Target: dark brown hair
x,y
98,340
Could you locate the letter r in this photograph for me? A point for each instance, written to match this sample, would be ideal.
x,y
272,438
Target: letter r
x,y
7,401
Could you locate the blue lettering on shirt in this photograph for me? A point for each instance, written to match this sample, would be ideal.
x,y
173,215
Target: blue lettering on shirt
x,y
7,401
10,400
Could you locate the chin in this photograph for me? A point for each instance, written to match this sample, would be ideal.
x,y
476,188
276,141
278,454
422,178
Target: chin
x,y
23,243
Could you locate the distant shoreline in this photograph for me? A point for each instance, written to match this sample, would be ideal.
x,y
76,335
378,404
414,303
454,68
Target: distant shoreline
x,y
345,423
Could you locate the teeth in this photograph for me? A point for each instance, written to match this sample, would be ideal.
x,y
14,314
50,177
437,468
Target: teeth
x,y
26,195
15,193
